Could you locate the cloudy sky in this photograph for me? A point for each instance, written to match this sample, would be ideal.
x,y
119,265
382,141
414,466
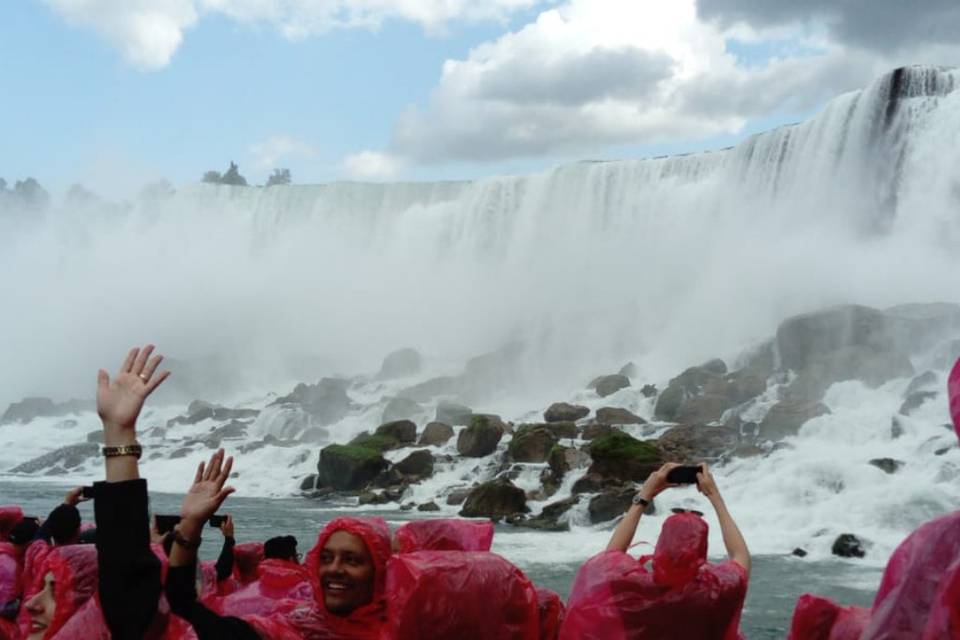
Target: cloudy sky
x,y
116,93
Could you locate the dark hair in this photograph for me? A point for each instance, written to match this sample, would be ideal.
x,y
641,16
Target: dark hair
x,y
282,547
24,531
63,524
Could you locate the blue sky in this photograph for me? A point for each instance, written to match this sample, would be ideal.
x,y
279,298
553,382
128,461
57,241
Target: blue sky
x,y
76,108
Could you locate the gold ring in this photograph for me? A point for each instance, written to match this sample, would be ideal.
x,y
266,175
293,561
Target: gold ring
x,y
144,377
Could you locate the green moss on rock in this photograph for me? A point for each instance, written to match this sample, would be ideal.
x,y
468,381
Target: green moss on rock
x,y
378,442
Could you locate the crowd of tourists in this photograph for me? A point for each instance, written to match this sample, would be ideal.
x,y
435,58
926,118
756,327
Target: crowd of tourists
x,y
128,575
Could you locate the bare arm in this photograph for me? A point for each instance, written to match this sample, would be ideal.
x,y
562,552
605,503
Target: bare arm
x,y
732,538
654,484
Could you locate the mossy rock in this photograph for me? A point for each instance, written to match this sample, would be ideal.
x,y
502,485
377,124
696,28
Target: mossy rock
x,y
618,455
348,467
480,438
532,443
377,442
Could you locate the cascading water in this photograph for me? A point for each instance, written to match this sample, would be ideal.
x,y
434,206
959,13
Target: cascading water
x,y
665,261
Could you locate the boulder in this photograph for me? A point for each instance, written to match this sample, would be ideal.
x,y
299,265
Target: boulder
x,y
95,436
702,409
66,457
617,415
612,504
430,389
435,434
608,385
348,468
400,363
428,506
457,496
30,408
403,431
873,368
926,381
454,414
623,457
479,439
592,483
531,443
694,443
309,483
787,416
798,552
496,499
326,402
914,400
595,430
848,545
419,464
648,390
199,410
669,401
561,459
493,420
803,338
401,409
887,465
549,518
376,442
564,412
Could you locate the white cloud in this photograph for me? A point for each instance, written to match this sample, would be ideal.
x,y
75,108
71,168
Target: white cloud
x,y
148,32
269,153
593,73
372,165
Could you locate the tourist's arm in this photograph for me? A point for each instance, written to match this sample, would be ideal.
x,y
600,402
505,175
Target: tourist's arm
x,y
202,500
225,560
732,538
129,573
653,485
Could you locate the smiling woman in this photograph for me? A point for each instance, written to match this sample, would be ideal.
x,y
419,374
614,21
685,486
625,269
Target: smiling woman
x,y
346,573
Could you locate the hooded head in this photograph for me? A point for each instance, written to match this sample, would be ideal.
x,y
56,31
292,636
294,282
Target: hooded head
x,y
247,556
348,564
69,580
64,524
681,549
9,516
24,532
281,548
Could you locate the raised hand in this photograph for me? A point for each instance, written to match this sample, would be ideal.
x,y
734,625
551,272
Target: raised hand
x,y
657,481
706,484
227,527
120,400
207,492
74,496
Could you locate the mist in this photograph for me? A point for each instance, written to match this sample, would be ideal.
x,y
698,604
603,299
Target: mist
x,y
666,262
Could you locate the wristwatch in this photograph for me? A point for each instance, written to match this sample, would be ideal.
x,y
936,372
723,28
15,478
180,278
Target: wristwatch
x,y
640,500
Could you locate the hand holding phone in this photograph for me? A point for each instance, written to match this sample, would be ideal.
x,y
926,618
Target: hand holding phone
x,y
684,474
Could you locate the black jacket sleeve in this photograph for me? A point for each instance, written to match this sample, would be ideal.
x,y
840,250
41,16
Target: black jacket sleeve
x,y
129,579
225,561
181,593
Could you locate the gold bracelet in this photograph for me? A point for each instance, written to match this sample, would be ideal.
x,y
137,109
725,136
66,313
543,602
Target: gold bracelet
x,y
134,450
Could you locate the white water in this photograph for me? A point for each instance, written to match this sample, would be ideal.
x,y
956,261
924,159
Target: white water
x,y
665,262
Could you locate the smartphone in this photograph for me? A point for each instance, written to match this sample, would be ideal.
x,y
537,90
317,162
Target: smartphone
x,y
87,493
166,523
684,475
217,520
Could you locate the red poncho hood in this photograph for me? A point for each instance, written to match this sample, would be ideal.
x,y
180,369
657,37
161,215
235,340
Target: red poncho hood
x,y
681,549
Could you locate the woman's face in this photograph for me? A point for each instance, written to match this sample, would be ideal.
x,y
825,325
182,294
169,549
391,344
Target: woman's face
x,y
41,608
346,573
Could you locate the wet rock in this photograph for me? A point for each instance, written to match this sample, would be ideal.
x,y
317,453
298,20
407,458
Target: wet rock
x,y
200,410
914,400
493,420
347,468
887,465
746,450
375,442
896,428
629,370
798,552
457,496
595,430
30,408
309,483
716,366
848,545
428,506
617,415
564,412
702,409
787,416
67,457
693,443
531,443
592,483
314,435
612,504
561,459
400,363
182,452
430,389
435,433
401,409
326,402
926,381
403,431
454,414
390,478
95,436
608,385
234,430
479,439
623,457
495,500
648,390
419,464
548,518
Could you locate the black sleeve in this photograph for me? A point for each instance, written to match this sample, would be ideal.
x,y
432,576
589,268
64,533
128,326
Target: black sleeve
x,y
181,593
225,561
129,579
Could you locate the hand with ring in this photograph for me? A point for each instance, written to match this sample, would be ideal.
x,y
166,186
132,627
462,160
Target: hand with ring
x,y
120,400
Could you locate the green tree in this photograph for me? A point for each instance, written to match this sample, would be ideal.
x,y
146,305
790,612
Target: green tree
x,y
279,176
233,177
212,177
